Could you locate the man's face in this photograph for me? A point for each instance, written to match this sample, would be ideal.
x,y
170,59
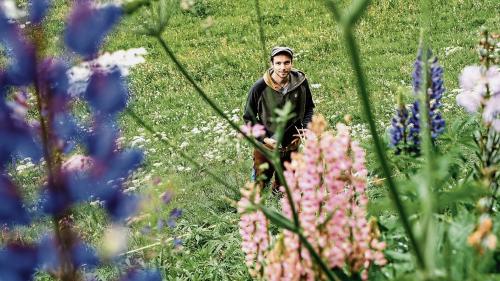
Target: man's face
x,y
282,65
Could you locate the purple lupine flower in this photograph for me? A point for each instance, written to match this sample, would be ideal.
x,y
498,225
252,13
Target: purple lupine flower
x,y
142,275
12,211
18,262
21,68
106,95
88,25
38,10
414,129
435,90
399,127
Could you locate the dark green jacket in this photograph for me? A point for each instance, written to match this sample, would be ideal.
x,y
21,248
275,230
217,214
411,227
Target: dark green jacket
x,y
265,96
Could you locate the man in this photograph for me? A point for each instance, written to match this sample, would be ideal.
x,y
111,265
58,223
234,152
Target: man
x,y
280,84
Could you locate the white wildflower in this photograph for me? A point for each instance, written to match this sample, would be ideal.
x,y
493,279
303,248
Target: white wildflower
x,y
114,241
315,86
10,9
183,145
121,60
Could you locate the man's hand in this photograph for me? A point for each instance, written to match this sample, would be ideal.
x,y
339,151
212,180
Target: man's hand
x,y
270,143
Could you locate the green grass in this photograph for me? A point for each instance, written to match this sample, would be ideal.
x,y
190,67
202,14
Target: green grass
x,y
225,59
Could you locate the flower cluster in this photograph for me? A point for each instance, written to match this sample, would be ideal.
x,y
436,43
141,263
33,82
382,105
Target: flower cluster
x,y
405,128
56,135
253,230
255,131
327,182
480,91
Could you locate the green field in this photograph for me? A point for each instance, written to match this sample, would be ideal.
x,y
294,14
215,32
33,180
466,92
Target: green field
x,y
218,42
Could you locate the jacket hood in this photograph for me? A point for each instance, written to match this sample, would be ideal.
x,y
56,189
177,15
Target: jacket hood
x,y
296,78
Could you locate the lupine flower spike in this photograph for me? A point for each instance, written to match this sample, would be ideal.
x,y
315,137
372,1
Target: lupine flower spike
x,y
100,174
327,182
406,137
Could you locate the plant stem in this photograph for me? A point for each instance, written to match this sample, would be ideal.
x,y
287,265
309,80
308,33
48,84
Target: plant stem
x,y
143,124
262,37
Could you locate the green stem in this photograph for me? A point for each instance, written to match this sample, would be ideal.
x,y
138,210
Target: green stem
x,y
261,33
365,101
352,47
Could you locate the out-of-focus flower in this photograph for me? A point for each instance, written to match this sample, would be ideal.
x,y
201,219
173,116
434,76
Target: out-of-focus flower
x,y
482,238
87,26
255,131
38,9
142,275
480,90
114,241
18,262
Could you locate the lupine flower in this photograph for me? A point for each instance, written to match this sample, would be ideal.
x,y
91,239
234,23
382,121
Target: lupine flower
x,y
327,182
253,230
255,131
406,136
100,174
398,131
480,89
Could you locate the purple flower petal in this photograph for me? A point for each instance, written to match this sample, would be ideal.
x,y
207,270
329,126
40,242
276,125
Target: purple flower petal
x,y
106,92
87,26
142,275
18,262
38,10
21,68
12,211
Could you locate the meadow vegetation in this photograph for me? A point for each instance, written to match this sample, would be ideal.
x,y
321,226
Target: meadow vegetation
x,y
218,42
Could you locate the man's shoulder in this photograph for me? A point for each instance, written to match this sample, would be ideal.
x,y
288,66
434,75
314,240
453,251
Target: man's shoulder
x,y
259,85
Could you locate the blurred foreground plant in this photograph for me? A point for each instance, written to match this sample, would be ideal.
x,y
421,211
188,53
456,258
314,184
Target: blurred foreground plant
x,y
58,133
480,95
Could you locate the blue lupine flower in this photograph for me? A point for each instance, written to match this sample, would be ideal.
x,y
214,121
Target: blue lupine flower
x,y
84,255
12,211
87,27
142,275
21,68
399,124
435,90
38,10
106,92
106,95
18,262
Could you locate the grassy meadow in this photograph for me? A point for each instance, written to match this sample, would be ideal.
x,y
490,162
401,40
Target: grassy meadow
x,y
218,42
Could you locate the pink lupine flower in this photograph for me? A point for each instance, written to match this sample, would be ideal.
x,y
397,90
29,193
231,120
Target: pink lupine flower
x,y
328,183
491,113
255,131
253,230
480,89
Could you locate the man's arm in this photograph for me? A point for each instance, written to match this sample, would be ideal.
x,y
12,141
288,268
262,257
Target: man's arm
x,y
251,107
309,108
